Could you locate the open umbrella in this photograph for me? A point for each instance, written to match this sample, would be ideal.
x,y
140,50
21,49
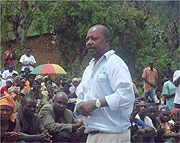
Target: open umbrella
x,y
51,69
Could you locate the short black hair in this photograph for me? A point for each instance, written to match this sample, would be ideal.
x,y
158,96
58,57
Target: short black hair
x,y
158,90
105,30
26,97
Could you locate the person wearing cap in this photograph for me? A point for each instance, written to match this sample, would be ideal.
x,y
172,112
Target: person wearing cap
x,y
4,89
74,84
105,94
175,113
9,72
168,73
9,125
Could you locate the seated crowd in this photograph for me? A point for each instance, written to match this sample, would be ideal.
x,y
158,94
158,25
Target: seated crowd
x,y
35,108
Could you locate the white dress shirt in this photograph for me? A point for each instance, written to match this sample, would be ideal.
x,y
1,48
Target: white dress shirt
x,y
109,78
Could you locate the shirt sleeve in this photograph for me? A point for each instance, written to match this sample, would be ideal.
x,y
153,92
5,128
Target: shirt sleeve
x,y
122,86
21,59
33,60
144,74
175,76
165,89
48,121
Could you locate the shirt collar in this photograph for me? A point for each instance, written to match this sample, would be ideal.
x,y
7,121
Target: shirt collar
x,y
106,56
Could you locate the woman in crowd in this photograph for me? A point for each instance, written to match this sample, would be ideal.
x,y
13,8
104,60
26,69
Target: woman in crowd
x,y
9,125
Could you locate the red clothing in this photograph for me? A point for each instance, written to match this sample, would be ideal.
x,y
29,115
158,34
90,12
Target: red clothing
x,y
9,57
3,90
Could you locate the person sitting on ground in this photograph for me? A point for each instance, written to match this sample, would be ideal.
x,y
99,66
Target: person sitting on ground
x,y
136,92
158,98
26,73
9,125
23,88
31,129
145,130
57,85
59,121
4,89
9,72
175,113
29,81
74,85
165,116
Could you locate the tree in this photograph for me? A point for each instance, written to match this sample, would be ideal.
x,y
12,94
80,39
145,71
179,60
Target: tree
x,y
17,17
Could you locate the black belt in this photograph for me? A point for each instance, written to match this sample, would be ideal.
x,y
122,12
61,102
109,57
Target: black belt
x,y
95,132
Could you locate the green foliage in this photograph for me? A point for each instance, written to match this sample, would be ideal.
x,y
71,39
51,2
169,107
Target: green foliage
x,y
139,30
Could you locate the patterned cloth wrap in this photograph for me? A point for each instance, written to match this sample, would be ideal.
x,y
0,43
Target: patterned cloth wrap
x,y
8,100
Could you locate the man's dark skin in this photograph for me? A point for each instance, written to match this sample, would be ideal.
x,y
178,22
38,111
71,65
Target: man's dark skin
x,y
59,105
151,65
29,107
97,45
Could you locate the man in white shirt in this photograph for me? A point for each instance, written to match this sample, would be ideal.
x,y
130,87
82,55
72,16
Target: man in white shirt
x,y
105,94
27,60
176,81
9,72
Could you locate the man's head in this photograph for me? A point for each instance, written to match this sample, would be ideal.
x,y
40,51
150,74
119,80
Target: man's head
x,y
168,66
142,108
152,111
9,83
29,105
10,46
28,52
6,66
26,71
98,41
60,102
175,113
10,68
164,114
151,64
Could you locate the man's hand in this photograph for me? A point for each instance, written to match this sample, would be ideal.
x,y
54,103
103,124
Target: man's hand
x,y
11,136
44,137
77,125
80,109
86,108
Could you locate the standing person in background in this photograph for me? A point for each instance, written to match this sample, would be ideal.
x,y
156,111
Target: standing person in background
x,y
105,94
150,77
169,90
10,55
27,60
168,73
176,81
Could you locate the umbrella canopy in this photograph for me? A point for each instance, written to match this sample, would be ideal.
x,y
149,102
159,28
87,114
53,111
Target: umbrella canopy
x,y
51,69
